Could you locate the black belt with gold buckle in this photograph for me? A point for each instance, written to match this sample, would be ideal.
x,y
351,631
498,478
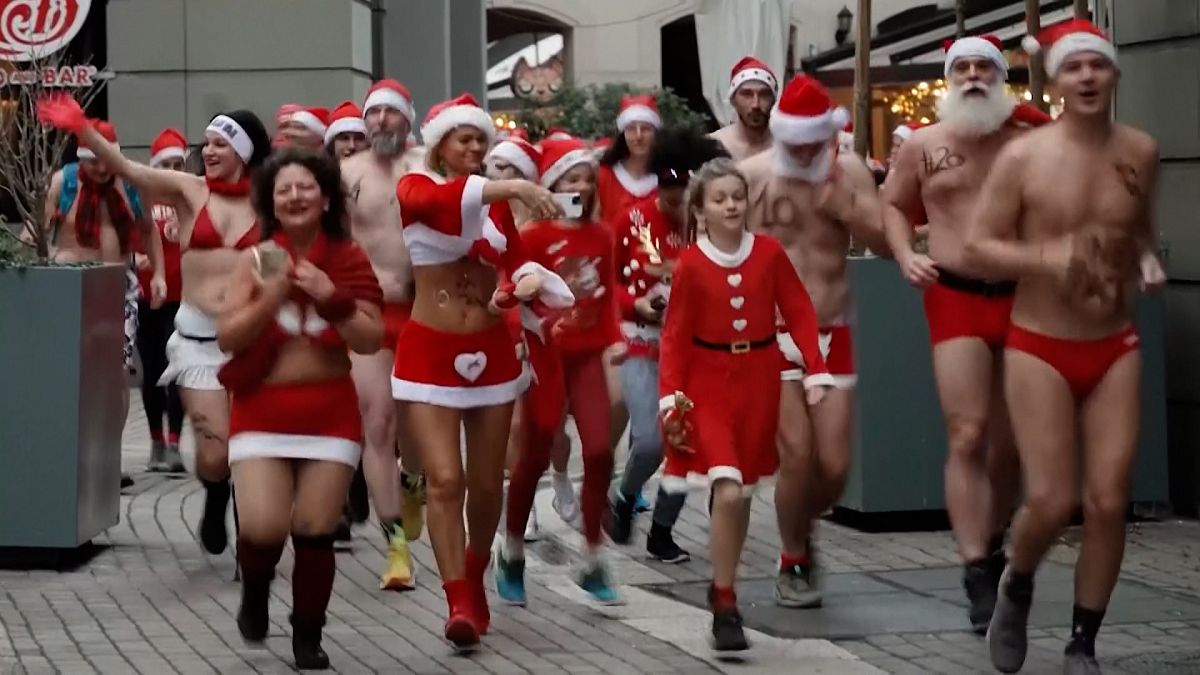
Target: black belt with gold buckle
x,y
739,347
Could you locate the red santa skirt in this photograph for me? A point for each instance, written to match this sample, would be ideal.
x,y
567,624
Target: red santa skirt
x,y
302,420
736,414
457,370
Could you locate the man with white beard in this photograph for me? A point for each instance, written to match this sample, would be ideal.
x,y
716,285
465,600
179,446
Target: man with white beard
x,y
939,171
371,178
812,199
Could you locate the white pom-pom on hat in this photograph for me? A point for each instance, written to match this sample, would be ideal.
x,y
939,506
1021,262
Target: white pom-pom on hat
x,y
1031,45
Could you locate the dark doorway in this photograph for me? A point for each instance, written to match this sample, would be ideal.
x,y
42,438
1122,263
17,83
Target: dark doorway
x,y
681,65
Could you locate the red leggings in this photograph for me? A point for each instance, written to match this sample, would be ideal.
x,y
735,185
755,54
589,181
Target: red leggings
x,y
586,393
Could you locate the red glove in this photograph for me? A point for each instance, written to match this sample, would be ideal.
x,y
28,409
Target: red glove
x,y
61,112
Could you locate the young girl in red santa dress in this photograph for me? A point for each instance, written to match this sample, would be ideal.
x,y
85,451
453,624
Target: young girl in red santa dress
x,y
568,353
719,368
456,365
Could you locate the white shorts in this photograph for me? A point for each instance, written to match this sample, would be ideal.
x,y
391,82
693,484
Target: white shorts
x,y
193,357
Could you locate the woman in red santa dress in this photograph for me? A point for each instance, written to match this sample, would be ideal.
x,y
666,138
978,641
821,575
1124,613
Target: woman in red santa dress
x,y
457,365
298,304
718,339
624,176
216,222
568,352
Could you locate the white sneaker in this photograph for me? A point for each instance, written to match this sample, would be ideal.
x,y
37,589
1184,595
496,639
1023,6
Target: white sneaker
x,y
564,502
532,531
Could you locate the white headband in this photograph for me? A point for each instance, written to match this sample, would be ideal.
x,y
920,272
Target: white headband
x,y
638,113
390,98
233,133
752,75
977,47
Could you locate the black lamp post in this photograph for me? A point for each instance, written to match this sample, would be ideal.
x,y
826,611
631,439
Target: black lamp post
x,y
845,19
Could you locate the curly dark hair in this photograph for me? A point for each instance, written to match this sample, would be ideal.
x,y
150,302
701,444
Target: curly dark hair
x,y
680,151
324,168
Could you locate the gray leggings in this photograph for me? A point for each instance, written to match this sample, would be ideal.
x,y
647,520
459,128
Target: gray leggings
x,y
639,384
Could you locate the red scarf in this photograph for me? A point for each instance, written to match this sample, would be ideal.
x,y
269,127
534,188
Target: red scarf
x,y
88,217
241,188
353,278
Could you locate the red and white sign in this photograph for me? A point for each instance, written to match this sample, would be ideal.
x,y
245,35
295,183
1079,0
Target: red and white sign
x,y
63,76
31,29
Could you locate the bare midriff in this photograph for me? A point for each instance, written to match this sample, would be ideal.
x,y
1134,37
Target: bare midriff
x,y
206,274
301,360
453,297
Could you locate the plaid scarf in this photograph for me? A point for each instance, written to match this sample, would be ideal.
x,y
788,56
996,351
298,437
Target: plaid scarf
x,y
87,216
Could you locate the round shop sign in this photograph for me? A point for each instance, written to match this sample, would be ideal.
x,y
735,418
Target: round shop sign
x,y
32,29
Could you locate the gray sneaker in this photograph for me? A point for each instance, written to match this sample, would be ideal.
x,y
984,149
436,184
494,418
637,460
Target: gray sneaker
x,y
1080,664
157,450
798,586
172,460
1007,633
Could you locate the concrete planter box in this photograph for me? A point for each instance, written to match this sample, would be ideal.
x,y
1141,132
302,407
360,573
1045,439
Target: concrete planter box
x,y
899,445
61,332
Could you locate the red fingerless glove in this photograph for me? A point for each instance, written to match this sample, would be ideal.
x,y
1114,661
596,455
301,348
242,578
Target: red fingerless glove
x,y
338,307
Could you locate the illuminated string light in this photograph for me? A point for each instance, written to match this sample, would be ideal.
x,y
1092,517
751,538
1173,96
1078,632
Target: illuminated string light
x,y
919,102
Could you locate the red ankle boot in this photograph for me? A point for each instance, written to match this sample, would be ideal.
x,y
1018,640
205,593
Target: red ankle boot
x,y
476,567
462,629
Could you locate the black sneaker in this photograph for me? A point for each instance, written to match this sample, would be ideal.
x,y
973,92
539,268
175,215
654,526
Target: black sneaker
x,y
662,547
981,594
727,632
213,535
619,522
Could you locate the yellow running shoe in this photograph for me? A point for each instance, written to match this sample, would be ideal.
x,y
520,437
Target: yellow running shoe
x,y
412,512
400,575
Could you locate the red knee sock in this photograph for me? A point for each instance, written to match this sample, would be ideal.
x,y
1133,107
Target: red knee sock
x,y
312,578
788,560
722,598
156,435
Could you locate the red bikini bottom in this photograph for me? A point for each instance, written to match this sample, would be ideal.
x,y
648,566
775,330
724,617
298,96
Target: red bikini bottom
x,y
1082,363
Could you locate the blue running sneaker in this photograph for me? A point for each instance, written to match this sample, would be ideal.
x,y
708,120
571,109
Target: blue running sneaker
x,y
640,505
510,579
598,584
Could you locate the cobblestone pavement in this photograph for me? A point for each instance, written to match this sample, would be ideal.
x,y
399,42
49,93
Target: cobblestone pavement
x,y
150,601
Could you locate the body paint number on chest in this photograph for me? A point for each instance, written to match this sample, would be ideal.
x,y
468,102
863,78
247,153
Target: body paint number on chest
x,y
941,159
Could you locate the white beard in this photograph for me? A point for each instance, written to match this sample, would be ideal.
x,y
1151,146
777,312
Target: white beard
x,y
976,117
816,172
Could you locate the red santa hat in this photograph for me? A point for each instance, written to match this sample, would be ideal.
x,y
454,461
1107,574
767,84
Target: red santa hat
x,y
315,120
1067,38
519,132
346,119
984,47
905,131
1025,115
557,134
750,69
520,153
106,130
392,94
560,156
168,144
805,113
457,112
638,108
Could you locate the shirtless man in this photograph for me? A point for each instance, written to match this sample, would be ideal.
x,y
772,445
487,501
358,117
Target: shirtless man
x,y
371,177
938,174
92,215
752,90
812,199
1068,213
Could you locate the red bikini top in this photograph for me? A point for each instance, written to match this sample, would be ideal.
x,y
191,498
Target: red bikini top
x,y
206,236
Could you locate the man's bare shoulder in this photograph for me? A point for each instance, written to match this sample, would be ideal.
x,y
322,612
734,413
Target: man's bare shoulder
x,y
354,165
722,134
412,160
1140,144
756,167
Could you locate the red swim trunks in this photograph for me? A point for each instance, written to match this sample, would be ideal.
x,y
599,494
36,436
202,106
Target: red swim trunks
x,y
395,315
958,306
1082,363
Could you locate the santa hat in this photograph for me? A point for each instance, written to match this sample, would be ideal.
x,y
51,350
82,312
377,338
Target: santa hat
x,y
106,130
984,47
392,94
1067,38
805,113
557,134
519,153
1025,115
449,115
905,131
168,144
315,120
519,132
560,156
346,119
285,112
638,108
750,69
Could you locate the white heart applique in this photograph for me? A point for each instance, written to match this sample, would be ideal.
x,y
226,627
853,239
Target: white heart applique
x,y
470,366
739,325
734,280
824,340
288,318
737,302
